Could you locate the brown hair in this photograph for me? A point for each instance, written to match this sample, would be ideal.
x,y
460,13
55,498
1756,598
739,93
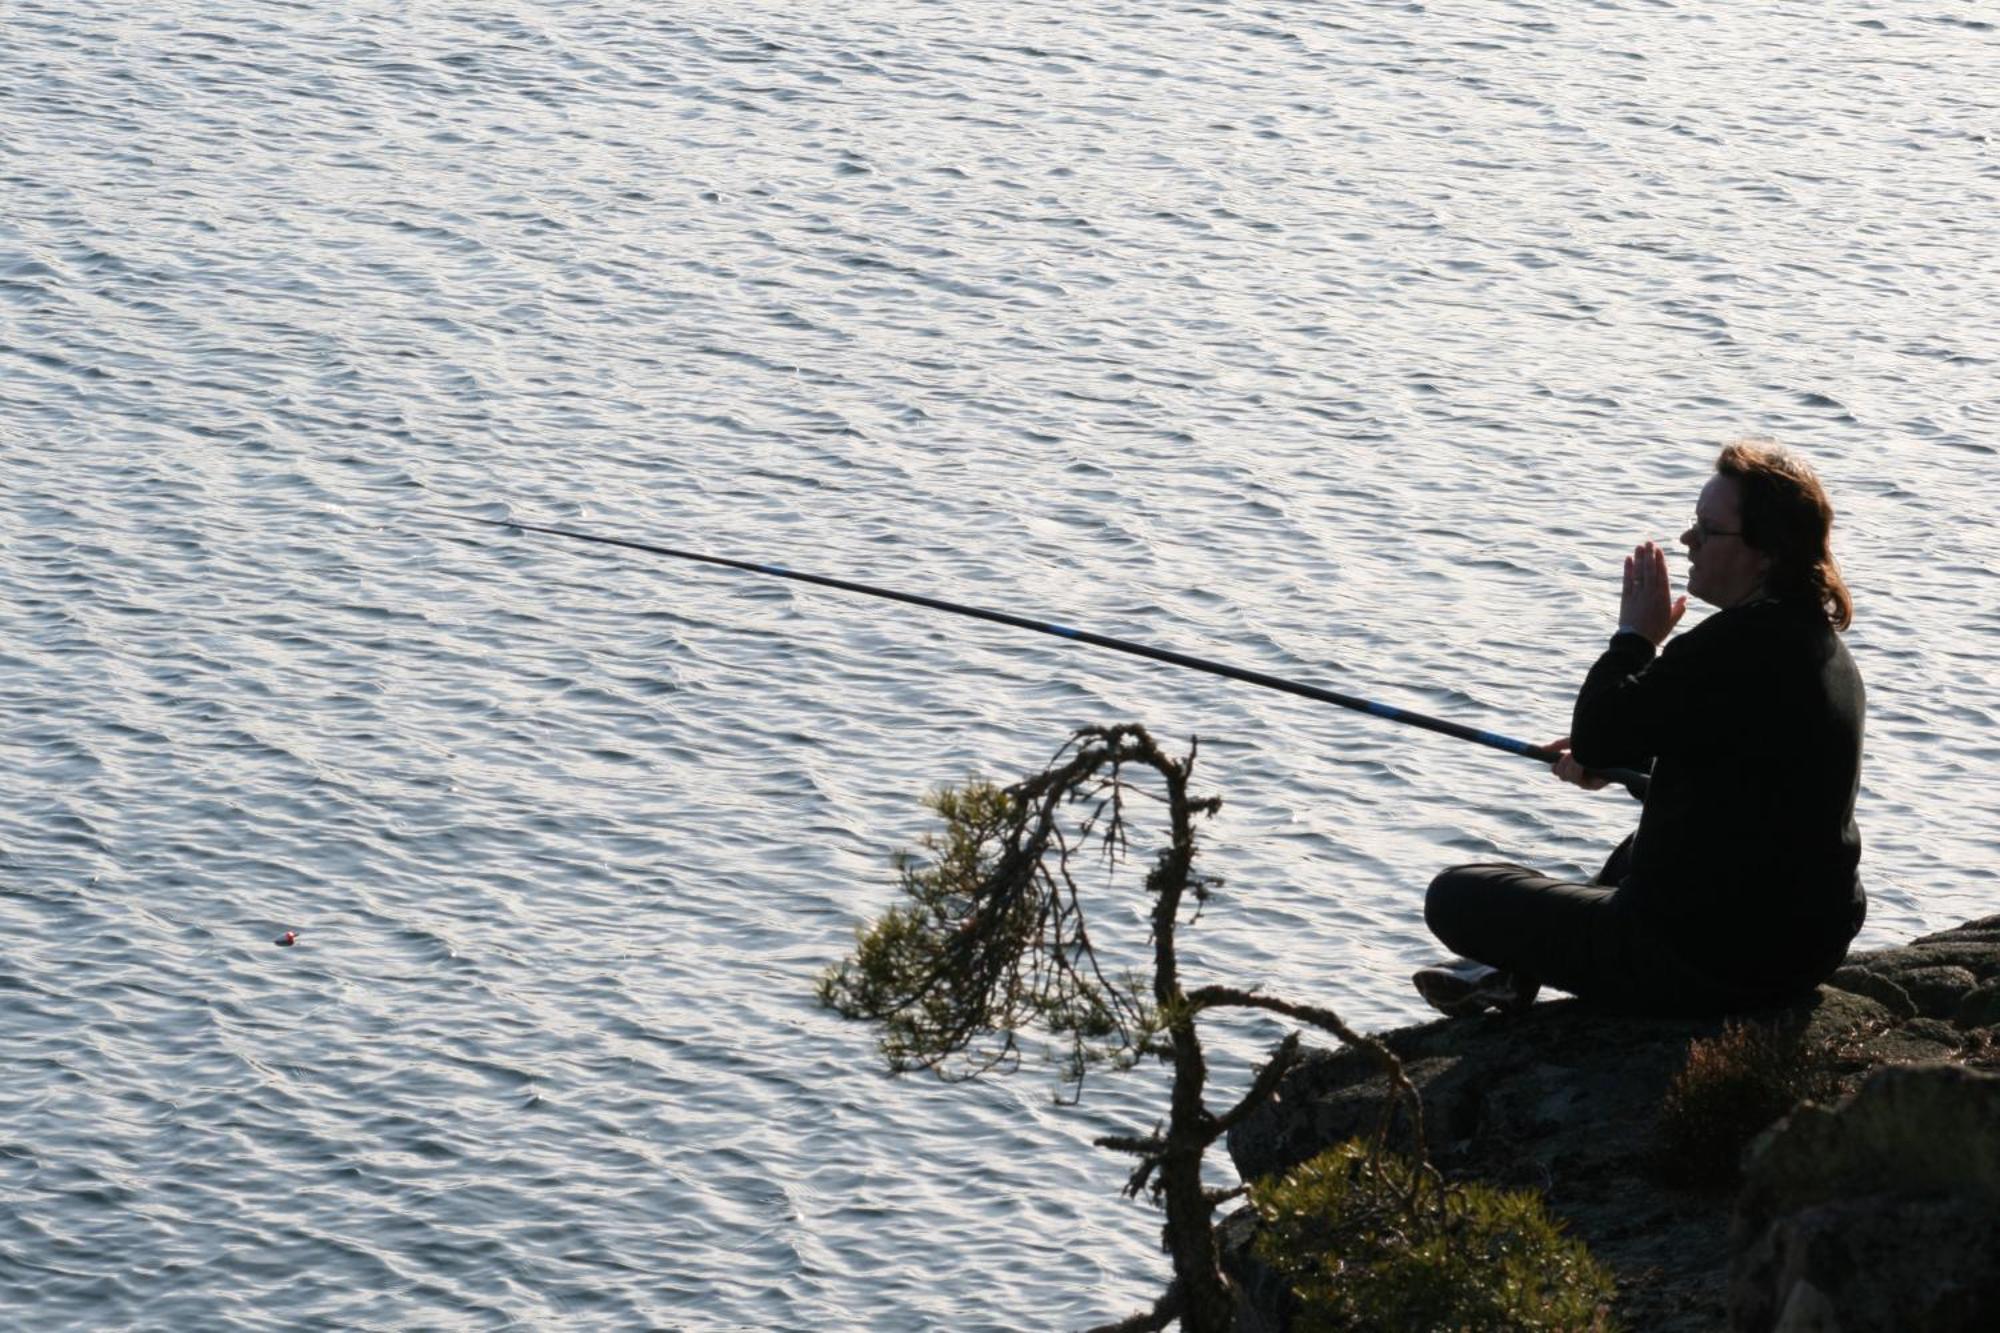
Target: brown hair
x,y
1787,516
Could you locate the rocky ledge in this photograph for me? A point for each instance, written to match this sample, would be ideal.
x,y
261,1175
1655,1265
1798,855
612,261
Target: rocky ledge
x,y
1878,1209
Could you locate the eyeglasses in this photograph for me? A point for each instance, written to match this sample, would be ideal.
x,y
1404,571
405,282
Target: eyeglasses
x,y
1702,531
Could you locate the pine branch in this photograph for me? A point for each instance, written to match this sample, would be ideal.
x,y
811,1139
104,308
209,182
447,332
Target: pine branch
x,y
1150,1146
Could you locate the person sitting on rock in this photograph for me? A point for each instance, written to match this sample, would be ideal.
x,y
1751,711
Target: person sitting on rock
x,y
1739,890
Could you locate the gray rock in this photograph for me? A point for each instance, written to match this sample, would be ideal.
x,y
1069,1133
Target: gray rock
x,y
1936,972
1264,1303
1886,1207
1873,1264
1938,988
1986,930
1980,1008
1910,1129
1937,1032
1562,1099
1565,1100
1875,985
1807,1311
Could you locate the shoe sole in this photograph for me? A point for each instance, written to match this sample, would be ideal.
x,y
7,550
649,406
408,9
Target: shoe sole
x,y
1456,997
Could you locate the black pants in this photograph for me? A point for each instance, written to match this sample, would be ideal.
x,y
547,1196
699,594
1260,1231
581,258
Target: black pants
x,y
1580,938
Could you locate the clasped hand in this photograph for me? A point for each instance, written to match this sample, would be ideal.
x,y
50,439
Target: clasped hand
x,y
1566,767
1645,606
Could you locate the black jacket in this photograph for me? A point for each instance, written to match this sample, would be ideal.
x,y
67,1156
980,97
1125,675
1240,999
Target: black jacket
x,y
1746,853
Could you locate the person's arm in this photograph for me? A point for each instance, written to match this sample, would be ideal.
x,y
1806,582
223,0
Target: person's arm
x,y
1622,711
1626,706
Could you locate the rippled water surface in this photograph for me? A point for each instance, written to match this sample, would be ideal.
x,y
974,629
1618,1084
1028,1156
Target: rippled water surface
x,y
1349,341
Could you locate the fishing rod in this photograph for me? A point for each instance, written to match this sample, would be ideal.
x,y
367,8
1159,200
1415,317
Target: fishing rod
x,y
1632,781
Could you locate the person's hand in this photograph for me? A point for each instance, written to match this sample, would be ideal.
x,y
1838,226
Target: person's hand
x,y
1647,605
1566,768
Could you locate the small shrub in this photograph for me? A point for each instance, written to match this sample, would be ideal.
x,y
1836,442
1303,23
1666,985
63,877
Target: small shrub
x,y
1733,1086
1376,1243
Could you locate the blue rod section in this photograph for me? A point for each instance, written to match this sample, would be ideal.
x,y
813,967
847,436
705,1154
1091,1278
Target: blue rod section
x,y
1633,781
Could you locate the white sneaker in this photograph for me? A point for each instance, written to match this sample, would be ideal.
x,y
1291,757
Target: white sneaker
x,y
1462,987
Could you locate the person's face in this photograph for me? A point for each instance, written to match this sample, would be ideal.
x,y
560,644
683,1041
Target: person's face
x,y
1723,569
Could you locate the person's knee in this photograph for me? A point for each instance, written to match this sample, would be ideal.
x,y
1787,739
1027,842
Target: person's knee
x,y
1466,906
1442,900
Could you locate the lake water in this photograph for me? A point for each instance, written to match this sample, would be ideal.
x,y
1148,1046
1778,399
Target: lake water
x,y
1352,341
